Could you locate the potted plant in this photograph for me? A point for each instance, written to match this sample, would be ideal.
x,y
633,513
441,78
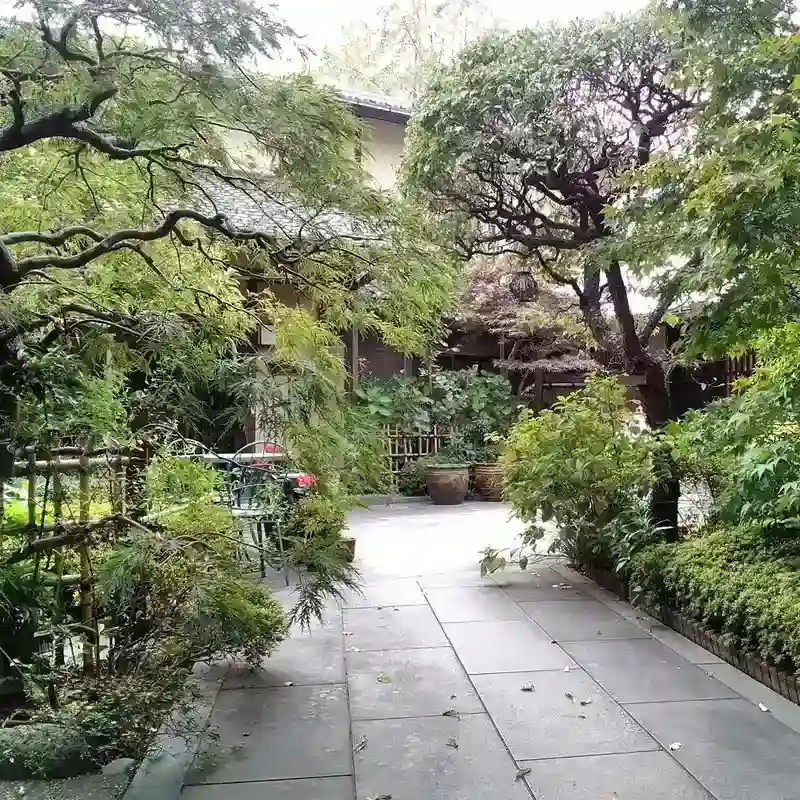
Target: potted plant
x,y
488,473
447,477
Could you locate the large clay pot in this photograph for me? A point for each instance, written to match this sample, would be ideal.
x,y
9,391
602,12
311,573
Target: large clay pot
x,y
489,481
447,483
349,544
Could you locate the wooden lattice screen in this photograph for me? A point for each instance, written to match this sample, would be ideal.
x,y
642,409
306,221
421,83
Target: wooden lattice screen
x,y
405,447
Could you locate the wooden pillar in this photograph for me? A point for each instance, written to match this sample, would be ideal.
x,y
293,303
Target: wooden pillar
x,y
354,358
538,390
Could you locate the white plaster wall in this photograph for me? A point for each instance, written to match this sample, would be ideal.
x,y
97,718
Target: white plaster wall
x,y
383,151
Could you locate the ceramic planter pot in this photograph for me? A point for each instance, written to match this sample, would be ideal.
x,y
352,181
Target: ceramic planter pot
x,y
349,544
447,483
489,481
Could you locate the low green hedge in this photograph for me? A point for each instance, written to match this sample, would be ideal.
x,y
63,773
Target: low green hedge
x,y
742,584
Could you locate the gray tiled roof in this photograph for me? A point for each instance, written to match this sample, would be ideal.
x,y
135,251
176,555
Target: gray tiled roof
x,y
249,208
376,102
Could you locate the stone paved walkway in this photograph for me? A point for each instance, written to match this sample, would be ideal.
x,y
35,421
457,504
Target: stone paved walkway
x,y
437,685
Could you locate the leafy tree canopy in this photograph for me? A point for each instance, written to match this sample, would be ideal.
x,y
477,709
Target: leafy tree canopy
x,y
731,194
146,169
524,142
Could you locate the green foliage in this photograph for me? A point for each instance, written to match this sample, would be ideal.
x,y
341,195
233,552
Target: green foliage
x,y
145,183
184,590
319,515
45,751
581,465
225,614
411,479
724,206
397,401
737,581
172,481
745,449
475,408
105,721
316,549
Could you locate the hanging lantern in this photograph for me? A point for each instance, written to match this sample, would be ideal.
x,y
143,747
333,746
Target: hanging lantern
x,y
523,286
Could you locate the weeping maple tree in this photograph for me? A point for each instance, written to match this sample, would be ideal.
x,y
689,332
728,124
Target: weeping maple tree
x,y
148,170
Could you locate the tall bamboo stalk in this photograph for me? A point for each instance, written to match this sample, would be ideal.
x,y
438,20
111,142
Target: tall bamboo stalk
x,y
58,560
86,603
31,492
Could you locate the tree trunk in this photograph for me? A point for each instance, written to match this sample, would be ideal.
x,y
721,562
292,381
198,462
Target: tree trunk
x,y
660,411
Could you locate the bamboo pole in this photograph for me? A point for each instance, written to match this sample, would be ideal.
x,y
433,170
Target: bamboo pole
x,y
58,561
118,485
86,605
31,467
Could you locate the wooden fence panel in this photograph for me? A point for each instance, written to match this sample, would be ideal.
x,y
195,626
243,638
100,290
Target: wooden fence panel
x,y
406,447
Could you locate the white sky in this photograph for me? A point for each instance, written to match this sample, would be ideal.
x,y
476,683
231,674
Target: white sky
x,y
322,21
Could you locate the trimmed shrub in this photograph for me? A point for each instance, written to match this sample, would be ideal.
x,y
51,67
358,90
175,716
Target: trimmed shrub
x,y
741,584
581,464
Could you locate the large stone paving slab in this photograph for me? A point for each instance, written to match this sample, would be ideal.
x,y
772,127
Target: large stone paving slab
x,y
680,644
539,584
270,734
628,776
408,683
392,628
467,576
782,709
314,789
305,659
505,647
398,592
737,751
551,722
412,759
643,670
578,620
473,604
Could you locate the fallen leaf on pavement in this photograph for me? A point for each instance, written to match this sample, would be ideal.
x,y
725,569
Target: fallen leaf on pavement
x,y
451,742
566,669
762,707
451,712
586,702
360,744
452,697
675,746
521,773
571,697
581,716
288,683
383,678
381,797
528,687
